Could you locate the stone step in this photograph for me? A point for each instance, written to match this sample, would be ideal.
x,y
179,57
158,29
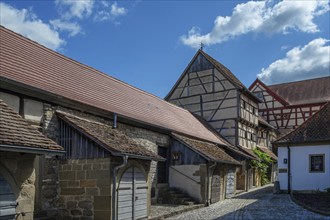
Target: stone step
x,y
174,196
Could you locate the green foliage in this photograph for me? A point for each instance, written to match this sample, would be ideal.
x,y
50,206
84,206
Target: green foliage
x,y
262,165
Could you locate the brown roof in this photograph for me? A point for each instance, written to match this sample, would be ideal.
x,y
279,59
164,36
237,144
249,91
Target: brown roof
x,y
208,150
29,63
17,133
304,92
268,152
111,139
314,129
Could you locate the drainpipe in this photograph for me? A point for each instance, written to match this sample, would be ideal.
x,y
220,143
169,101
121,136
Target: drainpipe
x,y
208,183
114,121
114,183
289,169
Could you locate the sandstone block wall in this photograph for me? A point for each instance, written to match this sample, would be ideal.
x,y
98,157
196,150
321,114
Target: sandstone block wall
x,y
85,189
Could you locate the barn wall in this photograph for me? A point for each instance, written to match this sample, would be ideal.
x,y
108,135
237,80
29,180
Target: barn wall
x,y
18,170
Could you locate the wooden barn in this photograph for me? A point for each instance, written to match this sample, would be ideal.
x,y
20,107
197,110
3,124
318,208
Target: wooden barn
x,y
123,146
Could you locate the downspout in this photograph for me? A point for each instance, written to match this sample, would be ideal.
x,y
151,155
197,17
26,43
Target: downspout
x,y
208,183
114,183
114,121
289,169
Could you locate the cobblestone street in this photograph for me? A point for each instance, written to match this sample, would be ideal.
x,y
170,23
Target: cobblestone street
x,y
256,204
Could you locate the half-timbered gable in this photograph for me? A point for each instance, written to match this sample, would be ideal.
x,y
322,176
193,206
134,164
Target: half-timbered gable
x,y
210,90
286,106
207,92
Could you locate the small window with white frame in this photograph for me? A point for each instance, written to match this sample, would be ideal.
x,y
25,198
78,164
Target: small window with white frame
x,y
316,163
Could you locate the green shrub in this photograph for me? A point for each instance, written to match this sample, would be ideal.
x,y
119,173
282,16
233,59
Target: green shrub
x,y
262,165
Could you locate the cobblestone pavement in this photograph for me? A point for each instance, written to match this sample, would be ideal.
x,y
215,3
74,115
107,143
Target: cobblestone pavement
x,y
256,204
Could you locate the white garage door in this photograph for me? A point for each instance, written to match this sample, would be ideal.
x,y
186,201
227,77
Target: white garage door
x,y
132,195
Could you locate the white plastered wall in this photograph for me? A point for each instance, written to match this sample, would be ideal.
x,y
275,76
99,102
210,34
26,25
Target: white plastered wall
x,y
302,178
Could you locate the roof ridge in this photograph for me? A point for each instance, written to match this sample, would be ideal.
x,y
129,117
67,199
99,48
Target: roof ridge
x,y
86,66
60,112
293,82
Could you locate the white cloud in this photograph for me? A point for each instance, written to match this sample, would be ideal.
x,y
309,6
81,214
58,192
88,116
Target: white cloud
x,y
26,23
109,12
309,61
117,11
69,9
72,27
260,17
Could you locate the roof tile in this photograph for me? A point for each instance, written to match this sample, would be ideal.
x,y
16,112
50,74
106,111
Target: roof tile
x,y
209,150
304,92
112,139
14,130
29,63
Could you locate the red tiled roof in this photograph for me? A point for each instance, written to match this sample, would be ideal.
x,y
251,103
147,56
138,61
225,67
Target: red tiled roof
x,y
16,132
111,139
29,63
209,150
304,92
314,129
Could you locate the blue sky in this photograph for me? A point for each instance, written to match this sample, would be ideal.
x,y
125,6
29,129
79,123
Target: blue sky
x,y
148,44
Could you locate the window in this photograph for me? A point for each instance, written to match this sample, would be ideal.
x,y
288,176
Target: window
x,y
316,163
255,111
243,104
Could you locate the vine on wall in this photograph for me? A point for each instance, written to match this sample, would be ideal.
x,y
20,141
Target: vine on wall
x,y
262,165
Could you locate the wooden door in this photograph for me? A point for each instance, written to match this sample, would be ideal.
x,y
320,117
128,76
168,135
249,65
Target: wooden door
x,y
7,200
162,166
132,195
216,186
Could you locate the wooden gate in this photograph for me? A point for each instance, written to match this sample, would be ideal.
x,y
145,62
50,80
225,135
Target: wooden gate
x,y
132,195
7,200
216,186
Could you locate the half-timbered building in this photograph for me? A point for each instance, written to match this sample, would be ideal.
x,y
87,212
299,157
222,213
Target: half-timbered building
x,y
286,106
210,90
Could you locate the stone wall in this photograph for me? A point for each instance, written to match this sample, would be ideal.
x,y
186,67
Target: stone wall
x,y
18,170
150,140
85,189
